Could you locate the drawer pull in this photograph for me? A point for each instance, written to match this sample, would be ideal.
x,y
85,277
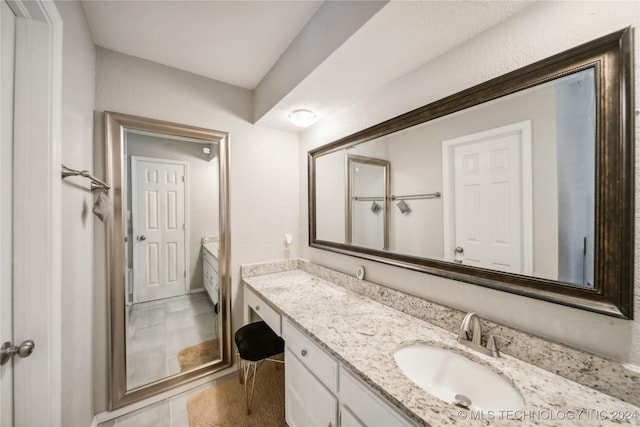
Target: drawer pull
x,y
303,352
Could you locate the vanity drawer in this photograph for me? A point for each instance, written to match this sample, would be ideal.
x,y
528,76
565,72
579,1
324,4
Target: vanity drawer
x,y
262,309
316,359
210,259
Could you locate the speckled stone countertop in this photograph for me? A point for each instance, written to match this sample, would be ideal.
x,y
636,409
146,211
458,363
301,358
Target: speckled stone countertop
x,y
363,335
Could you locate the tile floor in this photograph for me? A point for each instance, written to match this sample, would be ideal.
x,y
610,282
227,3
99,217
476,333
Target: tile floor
x,y
158,330
167,413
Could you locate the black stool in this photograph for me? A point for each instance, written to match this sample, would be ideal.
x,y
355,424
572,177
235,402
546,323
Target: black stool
x,y
256,343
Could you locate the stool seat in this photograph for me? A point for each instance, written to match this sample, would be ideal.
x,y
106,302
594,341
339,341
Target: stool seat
x,y
256,341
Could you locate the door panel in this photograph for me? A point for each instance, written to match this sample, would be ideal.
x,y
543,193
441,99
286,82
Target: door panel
x,y
158,200
487,211
487,184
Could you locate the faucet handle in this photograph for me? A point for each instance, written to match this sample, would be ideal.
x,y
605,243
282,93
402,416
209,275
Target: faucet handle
x,y
491,344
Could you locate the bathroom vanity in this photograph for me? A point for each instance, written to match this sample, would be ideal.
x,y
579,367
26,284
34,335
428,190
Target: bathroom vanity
x,y
210,268
313,374
340,367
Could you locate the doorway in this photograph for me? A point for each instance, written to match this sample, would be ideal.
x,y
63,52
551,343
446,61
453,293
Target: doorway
x,y
488,199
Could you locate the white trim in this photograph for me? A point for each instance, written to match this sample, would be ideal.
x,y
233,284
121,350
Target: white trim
x,y
37,218
524,130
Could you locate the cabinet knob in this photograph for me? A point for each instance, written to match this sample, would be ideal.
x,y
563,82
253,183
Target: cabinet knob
x,y
257,307
303,352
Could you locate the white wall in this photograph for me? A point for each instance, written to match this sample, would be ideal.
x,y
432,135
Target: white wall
x,y
77,218
539,31
263,172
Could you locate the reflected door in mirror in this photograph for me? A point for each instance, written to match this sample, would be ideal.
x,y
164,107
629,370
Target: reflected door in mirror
x,y
487,181
158,219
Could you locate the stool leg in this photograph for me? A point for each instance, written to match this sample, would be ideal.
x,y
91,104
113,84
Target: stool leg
x,y
240,364
249,394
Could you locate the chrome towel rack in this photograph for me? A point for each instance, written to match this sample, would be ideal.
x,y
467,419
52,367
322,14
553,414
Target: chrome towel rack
x,y
416,196
96,184
394,197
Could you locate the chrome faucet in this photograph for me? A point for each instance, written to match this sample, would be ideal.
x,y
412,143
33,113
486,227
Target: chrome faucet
x,y
471,324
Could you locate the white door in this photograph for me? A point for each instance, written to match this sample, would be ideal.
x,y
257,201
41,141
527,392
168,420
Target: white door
x,y
489,200
159,228
30,119
8,29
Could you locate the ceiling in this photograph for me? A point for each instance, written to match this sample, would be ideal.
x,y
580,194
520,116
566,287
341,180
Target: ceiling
x,y
293,54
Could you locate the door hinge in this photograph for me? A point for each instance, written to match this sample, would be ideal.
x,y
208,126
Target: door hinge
x,y
182,178
185,273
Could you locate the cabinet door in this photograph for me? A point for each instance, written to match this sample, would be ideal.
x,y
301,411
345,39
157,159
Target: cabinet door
x,y
347,419
366,405
308,403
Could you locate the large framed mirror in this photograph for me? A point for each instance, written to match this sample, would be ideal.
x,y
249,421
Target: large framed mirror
x,y
168,255
524,183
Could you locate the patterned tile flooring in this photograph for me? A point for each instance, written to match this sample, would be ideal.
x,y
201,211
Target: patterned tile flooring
x,y
166,413
158,330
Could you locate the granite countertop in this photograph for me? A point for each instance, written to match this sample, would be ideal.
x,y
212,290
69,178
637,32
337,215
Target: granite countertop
x,y
364,334
212,247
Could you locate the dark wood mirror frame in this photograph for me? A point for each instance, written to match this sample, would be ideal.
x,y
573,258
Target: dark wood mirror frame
x,y
611,57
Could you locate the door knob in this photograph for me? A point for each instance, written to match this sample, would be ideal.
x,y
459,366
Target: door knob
x,y
8,350
459,250
142,237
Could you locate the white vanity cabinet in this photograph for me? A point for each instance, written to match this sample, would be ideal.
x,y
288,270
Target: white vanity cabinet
x,y
362,406
319,391
307,401
210,276
311,381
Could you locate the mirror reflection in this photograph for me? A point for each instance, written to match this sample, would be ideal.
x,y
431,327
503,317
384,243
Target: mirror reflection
x,y
367,224
171,210
508,185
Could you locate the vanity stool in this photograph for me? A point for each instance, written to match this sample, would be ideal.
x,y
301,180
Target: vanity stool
x,y
256,342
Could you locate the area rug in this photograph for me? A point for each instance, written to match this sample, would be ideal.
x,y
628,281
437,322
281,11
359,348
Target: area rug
x,y
225,404
199,354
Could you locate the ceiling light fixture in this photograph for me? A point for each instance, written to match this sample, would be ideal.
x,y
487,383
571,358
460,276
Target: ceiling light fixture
x,y
302,118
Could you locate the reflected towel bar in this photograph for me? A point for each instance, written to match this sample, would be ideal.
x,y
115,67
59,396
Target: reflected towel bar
x,y
416,196
368,199
393,197
96,184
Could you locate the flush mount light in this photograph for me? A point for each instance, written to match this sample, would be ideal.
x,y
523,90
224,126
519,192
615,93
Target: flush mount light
x,y
302,118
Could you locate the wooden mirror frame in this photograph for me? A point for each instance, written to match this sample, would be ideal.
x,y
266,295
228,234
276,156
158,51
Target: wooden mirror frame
x,y
611,57
115,126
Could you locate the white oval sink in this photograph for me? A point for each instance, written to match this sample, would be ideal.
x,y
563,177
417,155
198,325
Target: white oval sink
x,y
446,374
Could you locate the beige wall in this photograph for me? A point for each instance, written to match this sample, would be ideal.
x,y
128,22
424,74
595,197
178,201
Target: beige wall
x,y
263,172
543,29
77,220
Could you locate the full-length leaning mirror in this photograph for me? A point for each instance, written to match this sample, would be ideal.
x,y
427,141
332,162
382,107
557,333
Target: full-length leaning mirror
x,y
168,248
523,183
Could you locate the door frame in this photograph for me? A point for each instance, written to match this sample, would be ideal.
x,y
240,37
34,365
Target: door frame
x,y
37,297
134,199
448,184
